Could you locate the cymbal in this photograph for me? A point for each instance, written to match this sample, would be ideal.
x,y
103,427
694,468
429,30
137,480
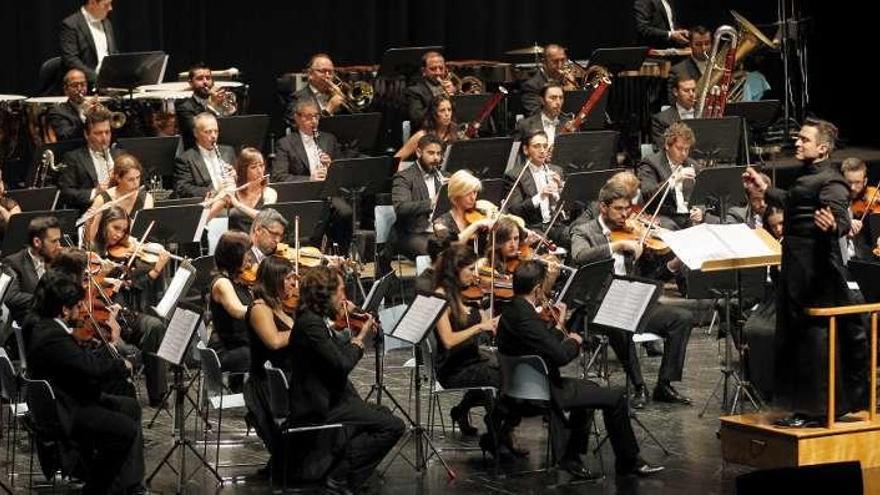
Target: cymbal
x,y
532,50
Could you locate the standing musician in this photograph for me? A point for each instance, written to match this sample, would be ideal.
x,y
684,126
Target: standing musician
x,y
125,182
593,241
433,82
30,264
8,207
229,299
521,332
536,195
321,392
549,119
694,66
139,291
656,24
551,70
864,200
463,221
439,121
66,119
414,193
673,169
251,195
107,427
321,73
206,167
813,275
86,37
88,169
201,82
684,95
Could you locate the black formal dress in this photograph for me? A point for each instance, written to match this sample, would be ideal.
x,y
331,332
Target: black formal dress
x,y
412,206
65,121
79,178
521,333
239,220
813,275
139,201
230,337
77,46
109,424
320,392
191,176
186,111
652,24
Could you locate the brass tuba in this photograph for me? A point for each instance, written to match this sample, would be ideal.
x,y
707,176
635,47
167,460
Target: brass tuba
x,y
356,96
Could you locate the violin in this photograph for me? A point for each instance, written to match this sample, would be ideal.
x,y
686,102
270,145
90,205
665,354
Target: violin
x,y
291,301
355,319
149,252
867,203
634,230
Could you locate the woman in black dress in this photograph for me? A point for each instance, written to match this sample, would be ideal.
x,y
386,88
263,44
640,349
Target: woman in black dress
x,y
229,301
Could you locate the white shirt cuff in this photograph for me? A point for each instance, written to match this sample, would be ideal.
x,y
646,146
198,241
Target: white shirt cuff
x,y
536,199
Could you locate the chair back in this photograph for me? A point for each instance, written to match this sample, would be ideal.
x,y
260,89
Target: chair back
x,y
384,220
43,408
524,378
8,379
279,398
210,369
19,341
50,76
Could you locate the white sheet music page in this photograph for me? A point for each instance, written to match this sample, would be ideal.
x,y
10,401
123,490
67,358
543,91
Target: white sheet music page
x,y
624,304
177,335
422,313
203,222
173,292
697,245
5,279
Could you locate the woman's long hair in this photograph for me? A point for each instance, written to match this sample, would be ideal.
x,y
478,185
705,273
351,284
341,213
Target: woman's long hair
x,y
270,280
110,215
446,271
316,290
431,125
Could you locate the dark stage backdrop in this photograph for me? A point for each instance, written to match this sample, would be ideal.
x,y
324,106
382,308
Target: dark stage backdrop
x,y
265,38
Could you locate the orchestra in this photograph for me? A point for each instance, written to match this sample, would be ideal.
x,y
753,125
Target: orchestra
x,y
84,279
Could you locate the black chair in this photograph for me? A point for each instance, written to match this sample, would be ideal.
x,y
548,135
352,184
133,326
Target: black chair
x,y
10,392
50,77
839,478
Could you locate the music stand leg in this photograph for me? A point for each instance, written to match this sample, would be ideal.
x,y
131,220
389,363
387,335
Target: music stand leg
x,y
633,417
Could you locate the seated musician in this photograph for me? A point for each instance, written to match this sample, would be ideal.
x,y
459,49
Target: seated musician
x,y
655,171
206,168
321,391
106,426
591,242
684,95
268,229
252,192
414,193
549,119
858,242
462,190
29,264
66,119
458,359
8,207
773,220
550,71
320,72
521,332
536,196
201,82
138,292
512,244
434,82
88,169
439,121
752,213
229,299
125,180
693,66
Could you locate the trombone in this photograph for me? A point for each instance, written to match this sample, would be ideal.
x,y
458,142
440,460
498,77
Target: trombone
x,y
468,85
356,96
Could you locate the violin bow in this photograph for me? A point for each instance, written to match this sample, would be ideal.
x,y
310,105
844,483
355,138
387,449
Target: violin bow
x,y
139,245
665,188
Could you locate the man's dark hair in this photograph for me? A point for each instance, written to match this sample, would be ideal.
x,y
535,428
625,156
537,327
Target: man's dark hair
x,y
680,77
546,87
316,290
429,139
38,227
528,139
701,30
612,191
528,275
97,116
430,54
55,291
826,130
196,67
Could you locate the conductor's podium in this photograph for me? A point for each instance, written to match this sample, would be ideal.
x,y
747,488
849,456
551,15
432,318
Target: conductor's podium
x,y
753,440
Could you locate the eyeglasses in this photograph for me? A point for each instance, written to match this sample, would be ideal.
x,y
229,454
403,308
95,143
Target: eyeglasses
x,y
309,116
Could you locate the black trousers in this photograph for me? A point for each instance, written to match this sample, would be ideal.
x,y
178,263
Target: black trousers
x,y
579,398
336,225
671,323
370,432
147,333
410,245
113,428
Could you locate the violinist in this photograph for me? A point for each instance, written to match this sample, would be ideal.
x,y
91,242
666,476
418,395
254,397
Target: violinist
x,y
229,300
512,245
414,195
439,122
463,221
137,292
125,182
268,229
29,264
242,205
458,360
592,242
864,200
773,220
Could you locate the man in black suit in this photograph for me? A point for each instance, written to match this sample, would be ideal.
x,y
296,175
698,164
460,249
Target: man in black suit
x,y
549,119
536,195
684,95
550,70
693,66
591,243
208,166
656,24
320,72
29,264
433,82
86,37
88,170
521,332
414,193
66,119
656,171
201,81
107,425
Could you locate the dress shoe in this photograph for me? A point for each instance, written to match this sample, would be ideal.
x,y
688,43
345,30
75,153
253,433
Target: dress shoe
x,y
664,392
639,397
460,418
577,470
640,468
509,441
653,348
798,421
337,487
488,445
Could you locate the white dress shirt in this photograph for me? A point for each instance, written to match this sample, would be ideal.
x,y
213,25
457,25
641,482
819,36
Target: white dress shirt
x,y
684,113
619,259
681,206
668,9
215,165
541,177
96,27
313,152
320,97
39,264
103,164
549,126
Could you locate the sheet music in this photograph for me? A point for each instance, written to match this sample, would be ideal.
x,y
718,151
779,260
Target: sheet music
x,y
697,245
5,279
173,292
420,317
624,304
177,335
203,221
511,158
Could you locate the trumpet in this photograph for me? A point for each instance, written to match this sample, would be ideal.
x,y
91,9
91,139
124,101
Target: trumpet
x,y
47,164
356,96
222,102
117,119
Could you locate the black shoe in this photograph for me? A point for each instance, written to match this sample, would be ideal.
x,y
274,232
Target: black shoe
x,y
798,421
487,445
664,392
639,397
460,418
337,487
641,469
653,348
138,489
577,470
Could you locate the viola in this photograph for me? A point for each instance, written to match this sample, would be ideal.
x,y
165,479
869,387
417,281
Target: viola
x,y
867,203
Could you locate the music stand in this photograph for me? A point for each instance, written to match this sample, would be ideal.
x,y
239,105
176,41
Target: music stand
x,y
580,151
467,106
581,186
178,202
310,214
574,101
130,70
244,130
371,304
16,230
718,139
173,224
619,59
42,198
156,154
404,61
304,190
759,114
356,131
486,158
718,186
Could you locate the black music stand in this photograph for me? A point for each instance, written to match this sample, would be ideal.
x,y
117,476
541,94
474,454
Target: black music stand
x,y
59,149
178,202
357,131
718,186
304,190
42,198
583,187
16,230
583,295
574,101
581,151
176,224
310,214
130,70
486,158
404,61
619,59
467,106
719,140
156,154
759,114
244,130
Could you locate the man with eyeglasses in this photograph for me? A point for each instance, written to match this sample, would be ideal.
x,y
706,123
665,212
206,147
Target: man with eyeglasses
x,y
320,72
67,119
267,231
